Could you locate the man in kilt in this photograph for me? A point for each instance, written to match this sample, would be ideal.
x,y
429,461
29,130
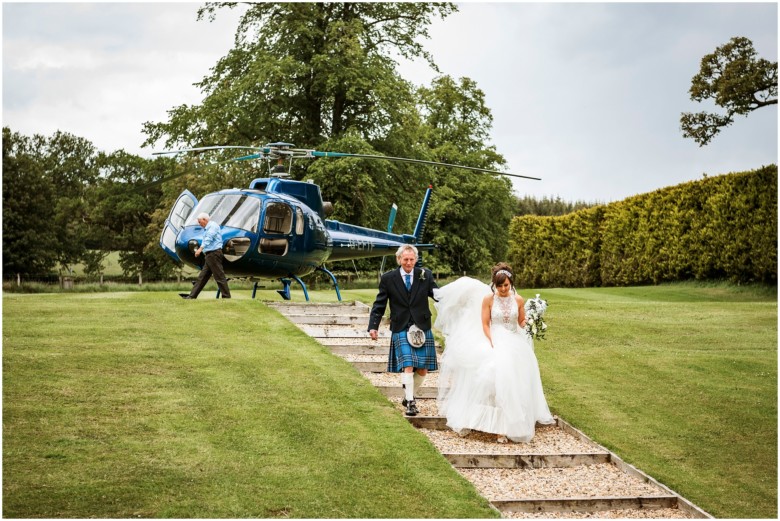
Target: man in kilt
x,y
408,289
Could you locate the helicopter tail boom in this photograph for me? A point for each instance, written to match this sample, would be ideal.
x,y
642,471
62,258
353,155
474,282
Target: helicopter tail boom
x,y
356,242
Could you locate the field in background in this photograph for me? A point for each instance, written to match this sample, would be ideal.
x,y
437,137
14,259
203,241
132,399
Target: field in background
x,y
125,404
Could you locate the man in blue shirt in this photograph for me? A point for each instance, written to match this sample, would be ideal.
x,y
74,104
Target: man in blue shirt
x,y
211,248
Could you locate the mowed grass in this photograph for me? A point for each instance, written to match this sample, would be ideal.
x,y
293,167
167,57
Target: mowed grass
x,y
145,405
140,404
679,380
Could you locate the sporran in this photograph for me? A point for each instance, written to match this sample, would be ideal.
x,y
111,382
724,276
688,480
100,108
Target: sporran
x,y
415,336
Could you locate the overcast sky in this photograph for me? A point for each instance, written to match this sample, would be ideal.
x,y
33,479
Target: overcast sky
x,y
586,96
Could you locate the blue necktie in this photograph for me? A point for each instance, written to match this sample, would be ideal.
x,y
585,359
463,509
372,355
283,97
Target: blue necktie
x,y
408,282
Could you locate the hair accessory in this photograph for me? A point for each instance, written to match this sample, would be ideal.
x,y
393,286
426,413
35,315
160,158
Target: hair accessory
x,y
505,272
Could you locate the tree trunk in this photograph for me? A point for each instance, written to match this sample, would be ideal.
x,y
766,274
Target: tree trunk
x,y
18,279
140,278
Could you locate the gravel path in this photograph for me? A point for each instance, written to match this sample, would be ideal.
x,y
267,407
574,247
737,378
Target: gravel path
x,y
379,357
394,379
549,439
603,480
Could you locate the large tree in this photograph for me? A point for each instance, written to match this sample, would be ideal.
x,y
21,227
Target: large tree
x,y
737,81
29,241
120,213
57,172
303,73
70,165
470,214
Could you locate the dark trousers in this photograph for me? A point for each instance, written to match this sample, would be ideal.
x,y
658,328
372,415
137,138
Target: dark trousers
x,y
213,265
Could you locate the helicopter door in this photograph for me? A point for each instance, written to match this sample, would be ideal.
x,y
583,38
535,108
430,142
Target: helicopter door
x,y
175,222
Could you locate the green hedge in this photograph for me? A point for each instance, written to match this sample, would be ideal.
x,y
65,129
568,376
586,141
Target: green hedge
x,y
722,227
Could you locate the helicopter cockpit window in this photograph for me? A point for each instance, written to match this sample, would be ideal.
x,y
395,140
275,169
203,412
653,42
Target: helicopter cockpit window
x,y
246,214
299,221
278,218
181,211
234,210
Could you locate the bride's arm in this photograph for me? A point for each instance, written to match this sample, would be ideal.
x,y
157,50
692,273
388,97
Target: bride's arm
x,y
487,302
520,311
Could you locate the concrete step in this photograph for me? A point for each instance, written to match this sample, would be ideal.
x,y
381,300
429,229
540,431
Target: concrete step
x,y
590,504
370,367
396,391
525,461
331,320
360,343
306,308
320,331
363,350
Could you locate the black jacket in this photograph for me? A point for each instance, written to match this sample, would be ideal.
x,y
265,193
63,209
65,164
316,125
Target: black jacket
x,y
406,307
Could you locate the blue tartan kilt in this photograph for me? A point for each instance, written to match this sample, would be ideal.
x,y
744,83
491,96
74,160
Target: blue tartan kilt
x,y
404,355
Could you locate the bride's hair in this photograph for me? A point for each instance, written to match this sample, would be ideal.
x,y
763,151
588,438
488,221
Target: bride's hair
x,y
500,273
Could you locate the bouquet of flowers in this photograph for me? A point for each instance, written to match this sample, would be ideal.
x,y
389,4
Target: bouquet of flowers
x,y
534,313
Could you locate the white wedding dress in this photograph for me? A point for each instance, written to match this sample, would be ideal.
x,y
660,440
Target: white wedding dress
x,y
496,390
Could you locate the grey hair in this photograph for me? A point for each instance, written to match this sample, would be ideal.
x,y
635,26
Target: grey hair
x,y
204,215
406,247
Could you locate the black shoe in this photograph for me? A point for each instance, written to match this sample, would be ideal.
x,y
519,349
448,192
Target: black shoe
x,y
185,295
411,409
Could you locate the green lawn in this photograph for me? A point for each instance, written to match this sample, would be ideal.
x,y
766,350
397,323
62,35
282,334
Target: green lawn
x,y
141,404
680,381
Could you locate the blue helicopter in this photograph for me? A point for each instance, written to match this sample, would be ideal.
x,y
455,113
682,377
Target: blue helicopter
x,y
277,228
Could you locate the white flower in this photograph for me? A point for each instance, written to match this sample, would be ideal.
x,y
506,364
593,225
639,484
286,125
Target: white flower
x,y
534,311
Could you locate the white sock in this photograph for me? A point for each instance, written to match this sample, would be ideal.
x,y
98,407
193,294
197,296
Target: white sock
x,y
408,380
418,381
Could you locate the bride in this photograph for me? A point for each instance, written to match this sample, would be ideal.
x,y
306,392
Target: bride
x,y
489,377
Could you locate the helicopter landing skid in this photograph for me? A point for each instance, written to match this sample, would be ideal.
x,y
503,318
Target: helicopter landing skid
x,y
285,293
333,278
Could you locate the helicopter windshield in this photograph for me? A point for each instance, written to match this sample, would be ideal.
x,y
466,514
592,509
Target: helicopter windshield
x,y
234,210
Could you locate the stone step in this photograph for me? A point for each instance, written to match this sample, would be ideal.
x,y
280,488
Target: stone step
x,y
428,422
524,461
396,391
370,367
590,504
361,343
330,320
301,308
354,341
364,350
320,331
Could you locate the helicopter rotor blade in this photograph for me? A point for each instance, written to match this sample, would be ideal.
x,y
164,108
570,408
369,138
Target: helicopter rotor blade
x,y
315,153
280,150
260,150
180,174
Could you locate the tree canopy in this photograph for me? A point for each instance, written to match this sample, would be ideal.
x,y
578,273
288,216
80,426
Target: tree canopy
x,y
736,80
304,72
